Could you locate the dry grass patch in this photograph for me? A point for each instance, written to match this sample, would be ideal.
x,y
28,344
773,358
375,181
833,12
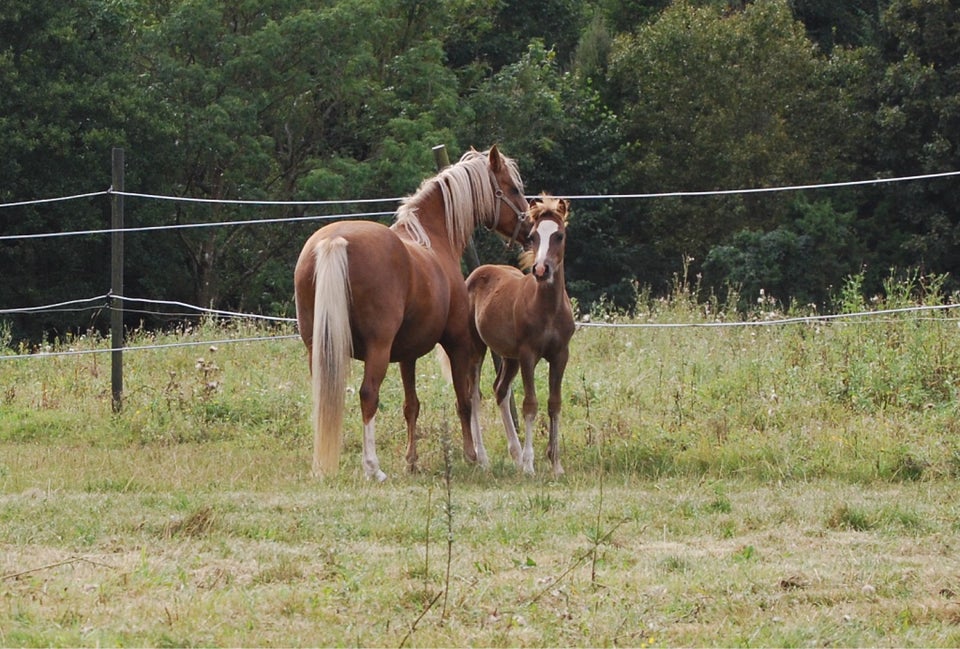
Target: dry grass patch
x,y
533,563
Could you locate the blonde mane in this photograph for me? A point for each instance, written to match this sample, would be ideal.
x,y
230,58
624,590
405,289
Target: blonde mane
x,y
468,195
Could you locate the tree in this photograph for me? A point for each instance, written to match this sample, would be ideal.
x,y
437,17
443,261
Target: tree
x,y
65,75
565,141
802,261
288,101
497,32
918,131
831,24
710,100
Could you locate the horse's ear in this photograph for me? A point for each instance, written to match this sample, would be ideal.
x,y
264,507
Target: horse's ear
x,y
535,205
495,161
563,208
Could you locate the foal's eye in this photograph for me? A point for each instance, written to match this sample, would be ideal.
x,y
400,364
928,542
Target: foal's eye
x,y
559,236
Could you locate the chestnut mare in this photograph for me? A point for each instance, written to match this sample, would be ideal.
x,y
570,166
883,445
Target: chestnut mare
x,y
524,318
383,295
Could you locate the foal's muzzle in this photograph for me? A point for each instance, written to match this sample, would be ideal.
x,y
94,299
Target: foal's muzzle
x,y
543,272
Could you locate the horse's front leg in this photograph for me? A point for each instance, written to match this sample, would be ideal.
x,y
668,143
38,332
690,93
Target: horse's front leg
x,y
557,367
374,370
411,410
527,367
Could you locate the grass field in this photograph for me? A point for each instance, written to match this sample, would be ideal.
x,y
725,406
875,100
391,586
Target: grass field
x,y
789,485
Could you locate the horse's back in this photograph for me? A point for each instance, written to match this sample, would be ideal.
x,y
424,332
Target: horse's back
x,y
488,279
398,291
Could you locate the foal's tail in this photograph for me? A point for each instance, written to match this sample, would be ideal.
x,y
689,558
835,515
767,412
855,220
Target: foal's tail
x,y
332,349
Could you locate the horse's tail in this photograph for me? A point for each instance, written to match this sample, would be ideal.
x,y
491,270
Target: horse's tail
x,y
332,349
444,362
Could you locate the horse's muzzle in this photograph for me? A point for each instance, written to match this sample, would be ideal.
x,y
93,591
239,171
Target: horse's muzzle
x,y
543,272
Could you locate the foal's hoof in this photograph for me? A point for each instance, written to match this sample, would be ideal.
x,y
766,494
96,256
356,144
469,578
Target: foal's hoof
x,y
528,463
378,475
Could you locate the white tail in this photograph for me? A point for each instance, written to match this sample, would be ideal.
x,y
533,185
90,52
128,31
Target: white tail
x,y
332,349
444,362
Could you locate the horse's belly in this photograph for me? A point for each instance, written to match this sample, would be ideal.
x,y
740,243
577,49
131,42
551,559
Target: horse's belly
x,y
414,341
493,295
498,331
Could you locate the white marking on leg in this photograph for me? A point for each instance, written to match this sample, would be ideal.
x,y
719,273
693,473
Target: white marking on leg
x,y
475,431
513,441
528,445
371,465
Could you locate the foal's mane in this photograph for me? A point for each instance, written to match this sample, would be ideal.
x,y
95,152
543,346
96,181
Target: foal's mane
x,y
546,206
468,194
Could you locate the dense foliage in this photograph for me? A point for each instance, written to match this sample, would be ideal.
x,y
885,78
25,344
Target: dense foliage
x,y
324,99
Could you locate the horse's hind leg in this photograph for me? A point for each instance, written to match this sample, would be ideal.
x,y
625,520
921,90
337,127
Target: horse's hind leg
x,y
477,363
461,370
557,367
502,391
411,410
374,370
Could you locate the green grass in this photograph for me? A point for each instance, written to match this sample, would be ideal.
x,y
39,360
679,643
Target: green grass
x,y
751,486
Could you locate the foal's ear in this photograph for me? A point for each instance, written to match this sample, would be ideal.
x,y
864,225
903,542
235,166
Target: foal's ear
x,y
495,161
563,208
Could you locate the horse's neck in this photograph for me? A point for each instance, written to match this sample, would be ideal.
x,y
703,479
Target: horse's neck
x,y
430,212
554,293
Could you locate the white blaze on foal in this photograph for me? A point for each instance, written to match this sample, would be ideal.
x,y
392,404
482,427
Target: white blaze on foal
x,y
546,231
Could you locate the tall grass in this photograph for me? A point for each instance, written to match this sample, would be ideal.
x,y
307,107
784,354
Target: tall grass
x,y
752,485
869,397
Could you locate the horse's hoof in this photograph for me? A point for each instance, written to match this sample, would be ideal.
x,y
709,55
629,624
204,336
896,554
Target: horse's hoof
x,y
378,475
483,460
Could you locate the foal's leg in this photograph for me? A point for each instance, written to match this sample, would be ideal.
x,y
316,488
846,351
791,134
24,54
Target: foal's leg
x,y
374,370
411,410
557,367
527,367
475,410
503,391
